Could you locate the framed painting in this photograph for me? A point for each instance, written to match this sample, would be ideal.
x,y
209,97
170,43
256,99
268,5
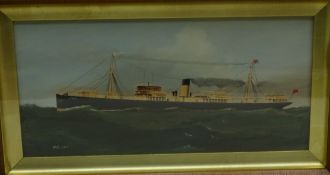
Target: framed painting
x,y
164,87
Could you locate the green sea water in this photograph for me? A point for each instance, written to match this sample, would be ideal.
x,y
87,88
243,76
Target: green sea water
x,y
86,131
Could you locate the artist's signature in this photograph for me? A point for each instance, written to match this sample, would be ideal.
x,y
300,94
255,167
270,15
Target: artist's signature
x,y
60,147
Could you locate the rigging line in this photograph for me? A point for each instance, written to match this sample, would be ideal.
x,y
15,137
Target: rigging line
x,y
83,86
93,82
166,77
230,90
120,84
100,82
236,75
148,70
81,76
256,83
141,58
116,84
122,87
99,79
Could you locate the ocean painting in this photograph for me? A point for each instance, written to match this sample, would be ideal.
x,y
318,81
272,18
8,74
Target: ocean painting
x,y
164,86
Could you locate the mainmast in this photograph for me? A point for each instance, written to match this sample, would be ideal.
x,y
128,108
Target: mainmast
x,y
250,91
112,86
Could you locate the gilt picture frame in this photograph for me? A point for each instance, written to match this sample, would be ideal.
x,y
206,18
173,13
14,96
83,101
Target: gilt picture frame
x,y
16,164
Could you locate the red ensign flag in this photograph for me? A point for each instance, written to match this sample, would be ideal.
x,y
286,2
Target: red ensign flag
x,y
255,61
295,91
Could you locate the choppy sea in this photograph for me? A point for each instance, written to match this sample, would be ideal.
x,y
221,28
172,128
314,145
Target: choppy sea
x,y
86,131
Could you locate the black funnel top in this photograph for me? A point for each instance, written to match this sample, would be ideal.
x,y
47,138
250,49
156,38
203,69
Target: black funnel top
x,y
186,81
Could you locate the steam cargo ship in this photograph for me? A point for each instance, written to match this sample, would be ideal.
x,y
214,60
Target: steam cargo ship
x,y
153,97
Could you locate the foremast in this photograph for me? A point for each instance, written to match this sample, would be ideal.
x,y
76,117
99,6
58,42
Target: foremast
x,y
113,88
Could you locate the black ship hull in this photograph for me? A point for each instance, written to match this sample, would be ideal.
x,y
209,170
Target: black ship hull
x,y
65,101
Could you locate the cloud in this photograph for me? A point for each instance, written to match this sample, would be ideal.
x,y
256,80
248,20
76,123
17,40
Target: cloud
x,y
188,44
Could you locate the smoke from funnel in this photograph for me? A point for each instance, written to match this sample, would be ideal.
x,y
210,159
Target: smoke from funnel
x,y
266,84
218,82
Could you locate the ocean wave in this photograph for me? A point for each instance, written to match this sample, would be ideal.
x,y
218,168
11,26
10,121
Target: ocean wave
x,y
177,109
75,108
193,112
171,108
185,148
117,110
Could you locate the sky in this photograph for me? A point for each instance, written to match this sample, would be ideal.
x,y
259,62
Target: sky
x,y
50,55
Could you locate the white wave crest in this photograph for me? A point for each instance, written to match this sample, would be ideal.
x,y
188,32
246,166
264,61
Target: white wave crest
x,y
171,108
74,108
117,110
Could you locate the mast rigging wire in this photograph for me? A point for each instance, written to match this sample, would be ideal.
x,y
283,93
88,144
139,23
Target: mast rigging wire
x,y
83,75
